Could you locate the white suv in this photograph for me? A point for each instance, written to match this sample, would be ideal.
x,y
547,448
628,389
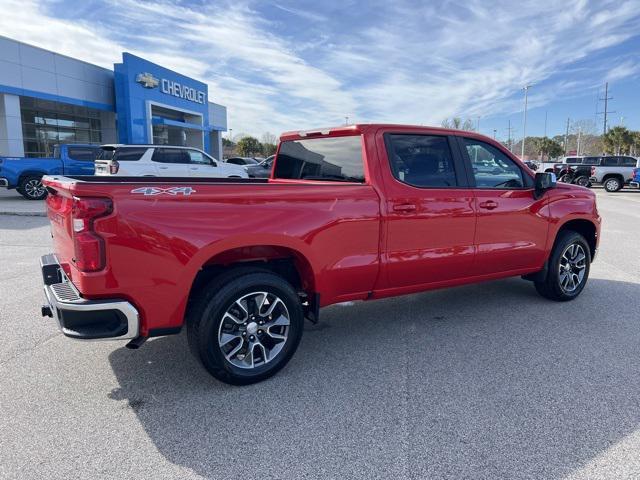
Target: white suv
x,y
162,161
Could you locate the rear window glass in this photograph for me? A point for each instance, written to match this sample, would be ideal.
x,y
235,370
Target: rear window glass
x,y
629,161
333,158
121,154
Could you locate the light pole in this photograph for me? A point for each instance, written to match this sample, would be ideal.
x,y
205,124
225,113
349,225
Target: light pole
x,y
494,133
524,123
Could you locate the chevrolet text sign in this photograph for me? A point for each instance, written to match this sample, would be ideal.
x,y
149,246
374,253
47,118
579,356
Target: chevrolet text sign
x,y
182,91
171,87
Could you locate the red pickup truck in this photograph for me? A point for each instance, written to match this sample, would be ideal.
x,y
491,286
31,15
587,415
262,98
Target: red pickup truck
x,y
357,212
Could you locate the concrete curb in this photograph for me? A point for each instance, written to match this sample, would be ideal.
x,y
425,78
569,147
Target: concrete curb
x,y
25,214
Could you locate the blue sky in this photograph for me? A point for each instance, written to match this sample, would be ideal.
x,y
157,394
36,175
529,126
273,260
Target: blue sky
x,y
290,65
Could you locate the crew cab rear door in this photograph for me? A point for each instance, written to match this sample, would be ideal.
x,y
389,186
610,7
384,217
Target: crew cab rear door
x,y
429,210
512,228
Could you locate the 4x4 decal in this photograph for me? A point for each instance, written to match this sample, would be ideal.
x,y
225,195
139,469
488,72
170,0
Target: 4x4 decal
x,y
164,191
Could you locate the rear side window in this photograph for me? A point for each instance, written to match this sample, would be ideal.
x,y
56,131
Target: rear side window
x,y
332,158
421,160
121,154
170,155
610,161
83,153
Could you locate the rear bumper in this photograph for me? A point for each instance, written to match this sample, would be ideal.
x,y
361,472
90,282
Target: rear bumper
x,y
112,319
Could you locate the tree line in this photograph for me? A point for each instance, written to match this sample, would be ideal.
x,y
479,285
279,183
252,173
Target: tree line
x,y
581,139
248,146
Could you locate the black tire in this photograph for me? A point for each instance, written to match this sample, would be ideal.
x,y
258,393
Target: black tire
x,y
31,188
565,179
206,313
583,181
612,184
552,287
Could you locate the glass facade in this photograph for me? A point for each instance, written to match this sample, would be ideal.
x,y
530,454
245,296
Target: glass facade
x,y
46,123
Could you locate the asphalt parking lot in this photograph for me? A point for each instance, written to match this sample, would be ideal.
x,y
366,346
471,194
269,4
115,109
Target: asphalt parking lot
x,y
485,381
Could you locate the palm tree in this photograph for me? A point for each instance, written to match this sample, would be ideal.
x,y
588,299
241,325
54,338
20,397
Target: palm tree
x,y
618,140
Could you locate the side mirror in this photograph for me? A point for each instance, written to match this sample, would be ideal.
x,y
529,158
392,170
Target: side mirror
x,y
544,181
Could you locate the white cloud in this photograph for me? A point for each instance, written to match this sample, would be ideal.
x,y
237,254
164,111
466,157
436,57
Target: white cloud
x,y
312,67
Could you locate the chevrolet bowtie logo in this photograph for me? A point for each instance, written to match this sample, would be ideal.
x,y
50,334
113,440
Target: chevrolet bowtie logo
x,y
147,80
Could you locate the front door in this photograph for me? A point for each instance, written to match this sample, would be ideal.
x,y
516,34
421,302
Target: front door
x,y
430,211
80,160
512,227
200,165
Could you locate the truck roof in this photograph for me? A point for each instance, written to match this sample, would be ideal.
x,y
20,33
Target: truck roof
x,y
361,127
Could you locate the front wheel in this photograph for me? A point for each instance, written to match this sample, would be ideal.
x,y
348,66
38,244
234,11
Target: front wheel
x,y
32,188
612,184
569,266
245,325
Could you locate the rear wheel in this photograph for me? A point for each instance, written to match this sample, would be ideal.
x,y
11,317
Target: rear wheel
x,y
583,181
31,188
245,325
612,184
569,266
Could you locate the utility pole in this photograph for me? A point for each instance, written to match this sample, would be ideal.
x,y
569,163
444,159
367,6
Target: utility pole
x,y
545,123
346,119
578,146
478,124
509,130
524,125
606,111
566,138
494,133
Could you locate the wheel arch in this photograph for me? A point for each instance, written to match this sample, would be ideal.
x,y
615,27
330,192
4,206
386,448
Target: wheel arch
x,y
30,173
584,227
283,260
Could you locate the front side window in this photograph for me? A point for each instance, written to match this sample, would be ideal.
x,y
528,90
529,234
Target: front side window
x,y
199,158
421,160
328,159
491,167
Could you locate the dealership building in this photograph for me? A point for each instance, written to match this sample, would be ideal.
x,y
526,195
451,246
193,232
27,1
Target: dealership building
x,y
47,98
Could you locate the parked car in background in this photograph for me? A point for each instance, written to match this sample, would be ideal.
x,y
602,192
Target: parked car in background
x,y
24,174
162,161
356,212
635,179
579,173
242,161
613,172
262,169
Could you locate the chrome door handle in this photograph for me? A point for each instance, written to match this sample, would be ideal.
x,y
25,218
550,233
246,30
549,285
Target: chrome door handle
x,y
404,208
489,205
163,168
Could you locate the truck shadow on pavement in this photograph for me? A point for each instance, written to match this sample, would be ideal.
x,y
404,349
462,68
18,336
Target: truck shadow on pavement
x,y
484,381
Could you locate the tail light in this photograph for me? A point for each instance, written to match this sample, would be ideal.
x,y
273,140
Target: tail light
x,y
114,166
89,246
593,171
636,172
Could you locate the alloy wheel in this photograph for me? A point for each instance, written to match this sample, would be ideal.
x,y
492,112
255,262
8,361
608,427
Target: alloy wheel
x,y
572,268
34,188
254,329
